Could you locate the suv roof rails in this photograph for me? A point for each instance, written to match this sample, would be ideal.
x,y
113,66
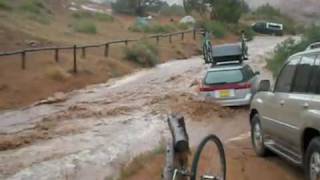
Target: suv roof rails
x,y
314,45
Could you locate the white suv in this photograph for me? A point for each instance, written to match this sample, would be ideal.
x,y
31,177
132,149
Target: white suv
x,y
286,119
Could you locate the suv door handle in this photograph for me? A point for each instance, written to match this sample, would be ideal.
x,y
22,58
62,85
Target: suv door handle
x,y
306,105
282,102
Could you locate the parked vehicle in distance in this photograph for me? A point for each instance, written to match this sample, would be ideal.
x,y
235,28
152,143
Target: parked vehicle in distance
x,y
268,28
229,84
286,119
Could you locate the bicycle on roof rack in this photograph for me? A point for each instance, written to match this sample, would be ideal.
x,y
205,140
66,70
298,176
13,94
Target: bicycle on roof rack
x,y
209,162
233,52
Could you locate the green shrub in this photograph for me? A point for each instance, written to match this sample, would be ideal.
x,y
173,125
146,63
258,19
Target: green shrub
x,y
4,5
143,53
103,17
40,19
289,47
81,14
32,6
184,26
174,10
84,26
158,28
229,11
249,33
92,16
218,29
153,28
36,10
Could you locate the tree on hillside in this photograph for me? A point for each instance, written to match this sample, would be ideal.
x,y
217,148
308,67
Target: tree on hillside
x,y
137,7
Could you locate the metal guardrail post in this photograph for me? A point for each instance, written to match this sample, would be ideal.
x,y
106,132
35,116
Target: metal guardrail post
x,y
158,39
126,42
56,54
75,67
182,36
194,34
23,60
106,50
170,38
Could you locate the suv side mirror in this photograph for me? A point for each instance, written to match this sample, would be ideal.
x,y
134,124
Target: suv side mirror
x,y
265,85
257,73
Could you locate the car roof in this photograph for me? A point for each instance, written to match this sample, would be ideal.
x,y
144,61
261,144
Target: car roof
x,y
226,67
313,44
309,51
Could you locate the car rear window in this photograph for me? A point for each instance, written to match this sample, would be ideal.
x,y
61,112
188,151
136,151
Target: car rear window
x,y
224,77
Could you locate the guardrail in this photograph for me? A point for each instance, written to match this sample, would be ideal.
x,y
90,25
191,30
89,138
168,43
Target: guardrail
x,y
83,48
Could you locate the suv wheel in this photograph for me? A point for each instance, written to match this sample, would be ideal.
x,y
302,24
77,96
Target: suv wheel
x,y
257,137
312,161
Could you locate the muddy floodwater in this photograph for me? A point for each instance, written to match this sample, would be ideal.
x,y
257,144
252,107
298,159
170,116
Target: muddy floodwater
x,y
91,133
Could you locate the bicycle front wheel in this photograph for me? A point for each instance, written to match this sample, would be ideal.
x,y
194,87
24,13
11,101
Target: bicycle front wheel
x,y
209,162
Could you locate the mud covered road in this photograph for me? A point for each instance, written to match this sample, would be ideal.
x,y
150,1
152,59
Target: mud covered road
x,y
91,133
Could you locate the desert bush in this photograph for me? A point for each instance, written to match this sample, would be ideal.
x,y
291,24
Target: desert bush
x,y
249,33
84,26
158,28
4,5
237,29
93,16
57,73
289,47
184,26
32,6
229,10
218,29
36,10
153,28
174,10
143,53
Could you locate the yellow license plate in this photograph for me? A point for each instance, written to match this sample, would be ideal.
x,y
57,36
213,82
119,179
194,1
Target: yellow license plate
x,y
225,93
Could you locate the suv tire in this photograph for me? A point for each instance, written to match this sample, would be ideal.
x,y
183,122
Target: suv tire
x,y
257,137
312,160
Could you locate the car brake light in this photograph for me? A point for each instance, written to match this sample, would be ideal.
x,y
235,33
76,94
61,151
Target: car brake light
x,y
244,86
205,88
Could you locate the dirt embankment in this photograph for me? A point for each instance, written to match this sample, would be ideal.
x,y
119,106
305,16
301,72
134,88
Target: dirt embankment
x,y
43,76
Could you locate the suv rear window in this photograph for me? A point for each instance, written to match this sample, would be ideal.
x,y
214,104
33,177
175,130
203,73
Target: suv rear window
x,y
303,74
285,78
224,77
314,82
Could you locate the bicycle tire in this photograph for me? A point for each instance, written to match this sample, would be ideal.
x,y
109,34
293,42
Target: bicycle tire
x,y
197,156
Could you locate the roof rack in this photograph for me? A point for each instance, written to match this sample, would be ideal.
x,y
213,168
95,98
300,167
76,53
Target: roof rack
x,y
224,53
